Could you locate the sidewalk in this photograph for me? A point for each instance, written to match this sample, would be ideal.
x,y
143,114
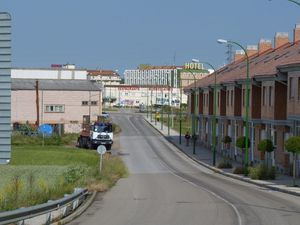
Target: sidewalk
x,y
204,157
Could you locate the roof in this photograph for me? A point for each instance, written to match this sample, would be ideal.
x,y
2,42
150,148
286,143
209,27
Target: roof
x,y
263,64
102,73
56,85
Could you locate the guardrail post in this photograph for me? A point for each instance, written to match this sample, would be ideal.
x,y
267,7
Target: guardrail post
x,y
21,222
48,219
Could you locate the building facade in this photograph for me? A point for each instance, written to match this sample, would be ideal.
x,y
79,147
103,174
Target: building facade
x,y
164,76
61,103
274,106
133,95
106,77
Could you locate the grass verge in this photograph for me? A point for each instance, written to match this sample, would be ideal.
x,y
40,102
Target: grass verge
x,y
37,174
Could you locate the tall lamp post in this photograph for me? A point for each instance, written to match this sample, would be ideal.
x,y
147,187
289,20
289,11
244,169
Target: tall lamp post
x,y
222,41
214,132
194,114
298,3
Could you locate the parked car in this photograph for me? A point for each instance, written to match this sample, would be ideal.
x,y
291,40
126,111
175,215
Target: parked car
x,y
105,114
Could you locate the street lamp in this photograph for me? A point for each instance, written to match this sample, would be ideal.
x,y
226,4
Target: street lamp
x,y
194,114
222,41
214,111
296,2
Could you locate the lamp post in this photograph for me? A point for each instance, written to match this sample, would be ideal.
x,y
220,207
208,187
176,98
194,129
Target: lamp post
x,y
194,114
298,3
222,41
214,131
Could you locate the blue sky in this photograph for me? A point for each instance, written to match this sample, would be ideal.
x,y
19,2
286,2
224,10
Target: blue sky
x,y
121,34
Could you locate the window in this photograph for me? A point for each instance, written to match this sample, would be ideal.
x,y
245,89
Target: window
x,y
270,96
84,103
94,103
291,88
54,108
264,96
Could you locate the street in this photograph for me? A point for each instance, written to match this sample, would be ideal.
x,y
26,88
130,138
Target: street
x,y
165,187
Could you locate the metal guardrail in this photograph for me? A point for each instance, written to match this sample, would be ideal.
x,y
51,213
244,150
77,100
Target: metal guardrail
x,y
68,203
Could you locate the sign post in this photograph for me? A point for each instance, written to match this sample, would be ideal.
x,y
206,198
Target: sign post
x,y
101,150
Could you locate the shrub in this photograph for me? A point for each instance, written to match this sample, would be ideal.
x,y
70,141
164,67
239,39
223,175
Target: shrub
x,y
74,173
241,142
265,145
262,172
226,139
239,170
224,165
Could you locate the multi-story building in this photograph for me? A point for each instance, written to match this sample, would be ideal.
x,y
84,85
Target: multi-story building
x,y
106,77
274,108
168,76
134,95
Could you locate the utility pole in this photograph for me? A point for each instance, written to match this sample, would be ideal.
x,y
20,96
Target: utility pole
x,y
37,103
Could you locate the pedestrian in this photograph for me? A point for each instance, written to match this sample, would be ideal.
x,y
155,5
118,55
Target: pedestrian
x,y
187,138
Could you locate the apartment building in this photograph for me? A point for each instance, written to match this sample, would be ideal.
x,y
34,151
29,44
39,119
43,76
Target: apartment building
x,y
170,76
106,77
274,107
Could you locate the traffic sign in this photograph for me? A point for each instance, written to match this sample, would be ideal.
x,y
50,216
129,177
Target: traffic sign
x,y
101,149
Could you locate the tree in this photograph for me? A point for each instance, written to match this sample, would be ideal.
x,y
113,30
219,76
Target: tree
x,y
266,145
293,145
241,144
227,140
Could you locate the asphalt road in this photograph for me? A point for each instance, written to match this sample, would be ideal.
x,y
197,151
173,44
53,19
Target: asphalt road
x,y
167,188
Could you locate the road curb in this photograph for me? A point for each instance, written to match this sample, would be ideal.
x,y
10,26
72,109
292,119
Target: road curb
x,y
219,171
78,212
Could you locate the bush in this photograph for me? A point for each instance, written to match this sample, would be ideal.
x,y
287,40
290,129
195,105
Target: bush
x,y
265,145
226,139
239,170
224,165
262,172
241,142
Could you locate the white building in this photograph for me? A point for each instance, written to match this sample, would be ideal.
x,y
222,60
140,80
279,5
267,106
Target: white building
x,y
169,76
55,72
134,95
153,75
107,77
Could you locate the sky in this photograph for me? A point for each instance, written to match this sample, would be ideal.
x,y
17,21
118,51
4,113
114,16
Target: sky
x,y
121,34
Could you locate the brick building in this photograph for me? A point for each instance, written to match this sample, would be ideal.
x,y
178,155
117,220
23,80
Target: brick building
x,y
274,107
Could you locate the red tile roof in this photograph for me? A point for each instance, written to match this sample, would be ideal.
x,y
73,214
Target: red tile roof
x,y
262,64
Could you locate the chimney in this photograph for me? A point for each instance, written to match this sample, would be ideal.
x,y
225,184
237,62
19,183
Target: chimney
x,y
252,50
297,33
264,45
281,38
239,54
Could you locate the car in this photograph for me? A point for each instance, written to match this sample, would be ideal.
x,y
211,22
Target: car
x,y
105,114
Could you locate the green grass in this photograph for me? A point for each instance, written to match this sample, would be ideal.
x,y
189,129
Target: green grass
x,y
186,123
37,174
52,155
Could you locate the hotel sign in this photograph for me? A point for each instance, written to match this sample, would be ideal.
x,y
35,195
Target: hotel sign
x,y
5,88
193,66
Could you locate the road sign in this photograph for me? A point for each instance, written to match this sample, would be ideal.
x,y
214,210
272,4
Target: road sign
x,y
101,149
